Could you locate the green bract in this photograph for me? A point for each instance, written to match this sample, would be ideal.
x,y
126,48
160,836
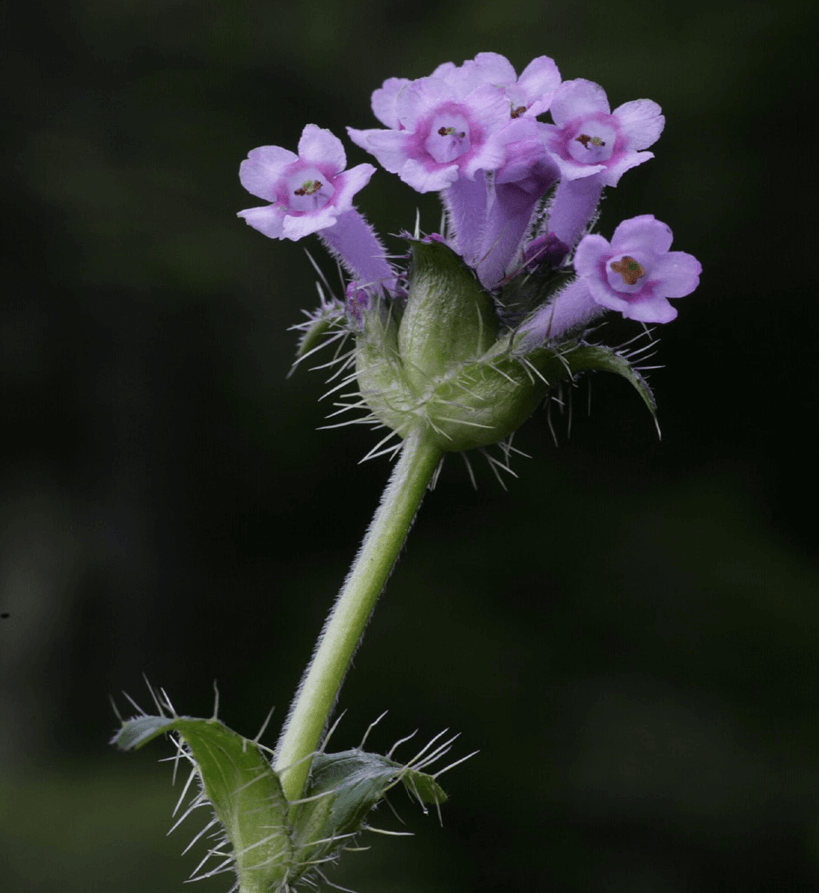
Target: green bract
x,y
447,366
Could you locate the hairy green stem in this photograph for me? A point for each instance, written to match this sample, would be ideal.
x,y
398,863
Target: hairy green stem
x,y
344,627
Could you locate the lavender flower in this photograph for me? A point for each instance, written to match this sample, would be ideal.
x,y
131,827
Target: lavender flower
x,y
459,94
588,138
313,193
449,132
308,191
636,273
440,130
530,94
594,147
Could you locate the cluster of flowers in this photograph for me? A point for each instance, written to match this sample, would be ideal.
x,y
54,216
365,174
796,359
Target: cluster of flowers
x,y
520,194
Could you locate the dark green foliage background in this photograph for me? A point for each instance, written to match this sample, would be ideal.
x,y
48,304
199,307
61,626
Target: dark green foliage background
x,y
629,635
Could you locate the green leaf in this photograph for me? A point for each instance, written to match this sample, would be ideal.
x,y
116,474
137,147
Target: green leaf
x,y
242,787
607,360
343,788
277,844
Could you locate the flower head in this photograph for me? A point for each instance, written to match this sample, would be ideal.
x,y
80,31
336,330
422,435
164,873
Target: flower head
x,y
587,138
308,191
467,334
636,273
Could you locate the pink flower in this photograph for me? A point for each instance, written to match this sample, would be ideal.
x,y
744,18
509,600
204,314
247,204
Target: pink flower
x,y
588,138
636,273
440,130
535,88
530,94
448,126
308,191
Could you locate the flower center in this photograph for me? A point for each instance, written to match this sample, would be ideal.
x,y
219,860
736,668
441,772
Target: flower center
x,y
308,187
308,190
629,269
593,142
585,139
448,138
517,112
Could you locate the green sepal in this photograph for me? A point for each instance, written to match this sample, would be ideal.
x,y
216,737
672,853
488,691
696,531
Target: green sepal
x,y
245,793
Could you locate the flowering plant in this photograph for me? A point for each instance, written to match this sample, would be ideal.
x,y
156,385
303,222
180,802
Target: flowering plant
x,y
454,343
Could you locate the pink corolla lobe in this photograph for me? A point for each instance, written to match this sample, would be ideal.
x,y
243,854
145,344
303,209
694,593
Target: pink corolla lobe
x,y
587,138
308,191
636,272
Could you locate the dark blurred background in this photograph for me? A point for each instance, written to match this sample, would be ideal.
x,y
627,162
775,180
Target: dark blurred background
x,y
628,635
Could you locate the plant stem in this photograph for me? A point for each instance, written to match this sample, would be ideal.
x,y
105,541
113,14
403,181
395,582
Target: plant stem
x,y
344,627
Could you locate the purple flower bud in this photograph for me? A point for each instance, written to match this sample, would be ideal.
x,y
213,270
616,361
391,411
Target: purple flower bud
x,y
636,273
358,302
544,251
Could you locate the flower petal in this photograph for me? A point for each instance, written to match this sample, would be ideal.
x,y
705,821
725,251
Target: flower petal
x,y
577,98
642,120
384,100
537,85
589,253
295,228
487,68
348,184
320,146
267,220
641,233
656,309
678,272
624,163
388,146
261,171
422,179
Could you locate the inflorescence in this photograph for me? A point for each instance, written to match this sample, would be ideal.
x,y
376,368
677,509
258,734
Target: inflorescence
x,y
520,197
